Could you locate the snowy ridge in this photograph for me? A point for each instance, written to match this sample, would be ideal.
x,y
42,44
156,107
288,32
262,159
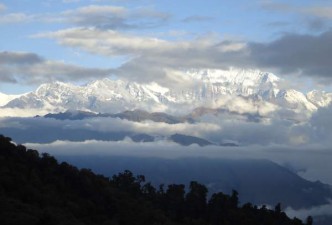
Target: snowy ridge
x,y
295,100
319,98
4,99
210,88
238,82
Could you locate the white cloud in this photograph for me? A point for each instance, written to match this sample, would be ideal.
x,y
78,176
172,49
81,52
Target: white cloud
x,y
150,58
244,105
2,7
109,42
32,69
95,15
101,29
16,18
101,16
305,159
15,112
198,129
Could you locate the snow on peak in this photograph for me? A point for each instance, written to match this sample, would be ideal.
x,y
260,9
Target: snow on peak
x,y
4,98
235,76
319,98
55,86
295,99
212,85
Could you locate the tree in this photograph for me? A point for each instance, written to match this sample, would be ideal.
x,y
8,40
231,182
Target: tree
x,y
217,207
277,209
234,200
310,220
196,200
174,200
38,190
127,182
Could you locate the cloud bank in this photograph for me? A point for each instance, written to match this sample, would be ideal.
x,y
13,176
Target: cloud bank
x,y
307,160
116,31
303,147
153,58
30,68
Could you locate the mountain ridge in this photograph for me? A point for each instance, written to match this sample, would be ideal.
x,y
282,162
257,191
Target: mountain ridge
x,y
210,87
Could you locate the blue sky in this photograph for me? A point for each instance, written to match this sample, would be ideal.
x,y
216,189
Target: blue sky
x,y
82,40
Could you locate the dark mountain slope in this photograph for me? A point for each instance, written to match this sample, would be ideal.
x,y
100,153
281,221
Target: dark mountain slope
x,y
258,181
38,190
135,115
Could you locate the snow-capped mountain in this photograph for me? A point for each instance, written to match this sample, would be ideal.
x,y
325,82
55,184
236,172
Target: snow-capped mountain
x,y
238,82
209,87
294,100
319,98
4,99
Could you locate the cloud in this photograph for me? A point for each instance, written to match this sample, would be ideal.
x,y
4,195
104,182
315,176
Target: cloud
x,y
101,125
100,16
109,17
16,18
243,105
321,125
15,112
309,158
323,11
315,18
318,11
30,68
197,18
274,6
19,58
109,43
278,24
156,59
304,146
267,132
317,24
322,210
150,58
102,28
2,7
221,128
70,1
296,53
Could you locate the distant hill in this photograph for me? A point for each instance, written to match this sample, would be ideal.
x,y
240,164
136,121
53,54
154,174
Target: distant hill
x,y
53,131
36,189
258,181
135,115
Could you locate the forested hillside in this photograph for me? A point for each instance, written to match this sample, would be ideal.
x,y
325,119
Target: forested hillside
x,y
36,189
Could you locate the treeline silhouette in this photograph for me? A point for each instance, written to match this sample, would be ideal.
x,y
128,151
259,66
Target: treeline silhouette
x,y
36,189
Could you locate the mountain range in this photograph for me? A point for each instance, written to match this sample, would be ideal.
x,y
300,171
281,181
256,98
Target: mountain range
x,y
249,91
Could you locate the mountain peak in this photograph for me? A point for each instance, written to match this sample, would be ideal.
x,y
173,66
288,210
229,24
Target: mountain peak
x,y
4,98
54,85
232,75
319,98
113,96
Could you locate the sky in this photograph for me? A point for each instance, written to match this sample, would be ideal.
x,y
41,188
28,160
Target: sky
x,y
144,40
79,41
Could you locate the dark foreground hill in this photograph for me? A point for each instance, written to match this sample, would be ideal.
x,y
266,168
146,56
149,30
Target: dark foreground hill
x,y
258,181
37,189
